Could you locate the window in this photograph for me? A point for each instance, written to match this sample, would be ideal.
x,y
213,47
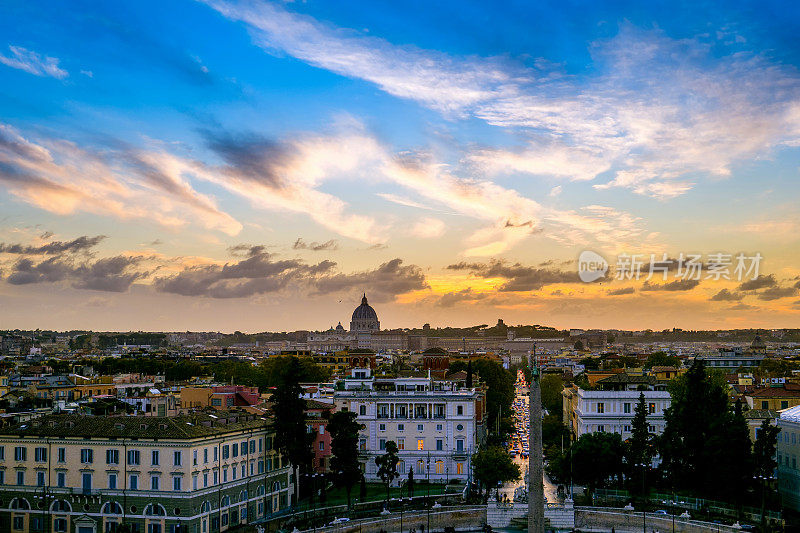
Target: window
x,y
439,467
87,456
87,483
438,427
2,477
61,479
205,455
626,428
154,458
40,455
765,405
460,410
18,523
321,445
459,469
362,410
133,457
382,427
784,404
112,481
177,458
40,479
20,477
652,408
420,427
439,444
601,428
112,457
235,450
194,482
362,444
194,457
60,525
225,475
20,453
460,445
626,408
205,480
134,482
176,483
601,407
420,444
155,481
401,444
460,427
61,454
252,442
226,451
401,427
382,444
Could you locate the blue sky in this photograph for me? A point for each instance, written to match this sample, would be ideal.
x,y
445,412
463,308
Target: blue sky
x,y
512,134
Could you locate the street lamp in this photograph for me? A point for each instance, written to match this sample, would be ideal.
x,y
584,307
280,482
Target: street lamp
x,y
643,466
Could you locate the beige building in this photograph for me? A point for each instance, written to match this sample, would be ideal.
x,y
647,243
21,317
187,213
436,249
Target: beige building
x,y
200,472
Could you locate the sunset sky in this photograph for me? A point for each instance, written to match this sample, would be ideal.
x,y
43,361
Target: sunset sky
x,y
256,166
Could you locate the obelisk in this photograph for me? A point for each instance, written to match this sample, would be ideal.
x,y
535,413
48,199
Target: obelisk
x,y
535,474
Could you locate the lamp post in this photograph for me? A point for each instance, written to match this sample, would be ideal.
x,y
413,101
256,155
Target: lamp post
x,y
400,501
643,466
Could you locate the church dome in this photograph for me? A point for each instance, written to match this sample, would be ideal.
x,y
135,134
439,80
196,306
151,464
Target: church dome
x,y
364,311
364,318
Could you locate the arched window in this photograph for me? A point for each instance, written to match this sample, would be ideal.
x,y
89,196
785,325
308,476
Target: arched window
x,y
226,501
20,504
440,467
112,508
61,506
205,507
276,486
155,509
260,490
243,496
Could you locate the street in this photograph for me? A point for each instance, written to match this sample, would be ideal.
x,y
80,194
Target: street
x,y
518,443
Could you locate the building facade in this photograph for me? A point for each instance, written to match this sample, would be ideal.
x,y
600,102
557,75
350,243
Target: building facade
x,y
436,425
612,411
188,474
788,457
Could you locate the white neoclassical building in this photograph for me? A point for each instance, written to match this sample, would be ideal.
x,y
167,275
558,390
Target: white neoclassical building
x,y
436,424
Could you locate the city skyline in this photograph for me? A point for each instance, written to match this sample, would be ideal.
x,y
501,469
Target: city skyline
x,y
256,166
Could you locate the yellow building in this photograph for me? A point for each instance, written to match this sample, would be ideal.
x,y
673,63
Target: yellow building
x,y
200,472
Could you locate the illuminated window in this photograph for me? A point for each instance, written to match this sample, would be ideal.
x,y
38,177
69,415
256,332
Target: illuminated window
x,y
440,467
420,444
459,468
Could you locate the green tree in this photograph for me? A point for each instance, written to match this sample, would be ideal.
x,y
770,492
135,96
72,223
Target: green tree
x,y
345,468
764,462
578,345
362,489
410,483
639,450
703,437
292,438
551,386
661,359
597,459
387,467
492,465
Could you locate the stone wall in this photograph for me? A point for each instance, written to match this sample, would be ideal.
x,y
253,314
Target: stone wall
x,y
460,518
603,519
501,515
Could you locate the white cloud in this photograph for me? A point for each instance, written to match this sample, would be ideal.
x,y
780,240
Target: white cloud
x,y
428,228
652,111
33,63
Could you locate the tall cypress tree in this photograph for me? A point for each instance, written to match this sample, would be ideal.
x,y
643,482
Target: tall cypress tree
x,y
344,450
639,450
292,438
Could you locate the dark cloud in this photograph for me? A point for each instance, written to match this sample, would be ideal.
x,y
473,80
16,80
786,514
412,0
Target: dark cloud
x,y
382,284
81,244
450,299
250,157
300,244
677,285
622,291
741,306
519,277
760,282
776,293
258,273
111,274
247,250
726,296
